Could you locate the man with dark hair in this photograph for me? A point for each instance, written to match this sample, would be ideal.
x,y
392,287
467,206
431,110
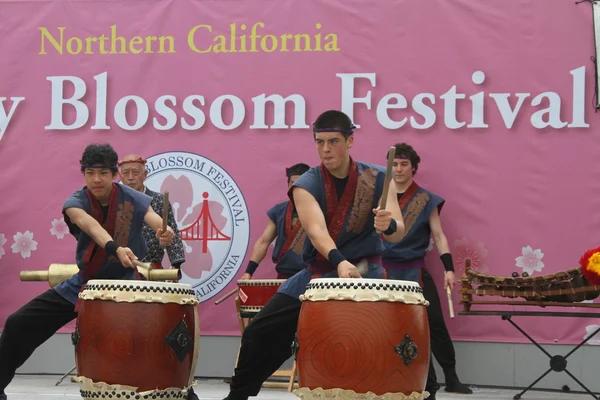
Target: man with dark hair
x,y
134,174
405,260
284,227
338,206
106,219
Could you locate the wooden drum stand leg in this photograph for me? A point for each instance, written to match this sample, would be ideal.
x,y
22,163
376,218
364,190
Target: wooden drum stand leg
x,y
288,373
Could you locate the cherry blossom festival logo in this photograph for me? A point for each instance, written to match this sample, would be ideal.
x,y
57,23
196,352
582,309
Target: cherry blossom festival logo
x,y
211,215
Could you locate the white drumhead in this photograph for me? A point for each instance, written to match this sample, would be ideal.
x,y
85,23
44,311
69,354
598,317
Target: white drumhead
x,y
363,289
261,282
138,291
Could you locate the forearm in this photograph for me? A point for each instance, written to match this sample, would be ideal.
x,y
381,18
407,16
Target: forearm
x,y
398,235
441,243
259,251
320,239
90,226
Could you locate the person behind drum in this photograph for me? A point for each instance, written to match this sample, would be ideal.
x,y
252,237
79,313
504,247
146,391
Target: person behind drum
x,y
284,227
106,219
337,204
405,260
133,174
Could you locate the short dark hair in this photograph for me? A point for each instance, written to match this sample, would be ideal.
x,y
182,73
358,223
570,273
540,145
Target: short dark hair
x,y
406,151
99,155
296,169
334,121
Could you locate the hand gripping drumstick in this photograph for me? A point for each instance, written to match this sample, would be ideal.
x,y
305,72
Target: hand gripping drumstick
x,y
388,177
450,305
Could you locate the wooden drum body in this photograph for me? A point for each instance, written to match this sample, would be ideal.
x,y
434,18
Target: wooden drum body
x,y
255,293
136,339
365,337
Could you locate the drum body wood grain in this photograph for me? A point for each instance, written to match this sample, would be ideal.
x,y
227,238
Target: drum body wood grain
x,y
363,335
137,334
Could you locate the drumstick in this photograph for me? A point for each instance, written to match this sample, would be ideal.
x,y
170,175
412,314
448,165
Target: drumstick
x,y
228,295
388,177
450,305
165,213
137,263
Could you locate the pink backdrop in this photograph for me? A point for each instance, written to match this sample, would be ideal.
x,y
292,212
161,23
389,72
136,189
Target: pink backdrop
x,y
496,96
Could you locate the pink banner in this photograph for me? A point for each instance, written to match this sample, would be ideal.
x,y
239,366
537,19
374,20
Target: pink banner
x,y
497,97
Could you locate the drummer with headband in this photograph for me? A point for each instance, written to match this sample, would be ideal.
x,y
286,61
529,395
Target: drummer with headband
x,y
405,260
337,204
285,228
134,174
106,220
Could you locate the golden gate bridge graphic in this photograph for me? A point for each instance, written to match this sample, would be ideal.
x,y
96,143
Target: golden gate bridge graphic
x,y
204,228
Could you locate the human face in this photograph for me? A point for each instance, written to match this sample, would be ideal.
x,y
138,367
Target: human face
x,y
334,151
99,182
403,170
292,179
133,175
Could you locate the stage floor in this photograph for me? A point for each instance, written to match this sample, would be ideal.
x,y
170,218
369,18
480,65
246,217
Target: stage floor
x,y
42,387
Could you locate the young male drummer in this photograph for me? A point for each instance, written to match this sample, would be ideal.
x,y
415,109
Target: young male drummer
x,y
285,228
106,219
337,204
405,260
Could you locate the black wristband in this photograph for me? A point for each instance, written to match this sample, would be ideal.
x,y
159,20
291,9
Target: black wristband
x,y
251,267
335,257
111,248
392,228
447,261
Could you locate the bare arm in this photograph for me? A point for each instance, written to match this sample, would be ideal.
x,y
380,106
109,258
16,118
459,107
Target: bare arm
x,y
259,251
89,225
93,229
155,222
313,221
394,208
441,242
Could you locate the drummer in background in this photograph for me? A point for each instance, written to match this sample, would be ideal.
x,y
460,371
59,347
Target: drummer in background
x,y
405,260
284,227
101,253
337,204
134,174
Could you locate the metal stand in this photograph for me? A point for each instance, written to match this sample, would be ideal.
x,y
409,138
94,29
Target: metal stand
x,y
62,378
558,363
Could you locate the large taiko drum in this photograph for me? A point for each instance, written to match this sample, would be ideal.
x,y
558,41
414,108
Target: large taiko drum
x,y
255,293
368,337
135,339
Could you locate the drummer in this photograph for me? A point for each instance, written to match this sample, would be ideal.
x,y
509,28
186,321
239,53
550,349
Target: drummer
x,y
284,227
101,253
337,204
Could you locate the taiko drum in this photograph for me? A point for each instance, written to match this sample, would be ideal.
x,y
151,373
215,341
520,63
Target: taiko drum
x,y
364,335
136,334
255,293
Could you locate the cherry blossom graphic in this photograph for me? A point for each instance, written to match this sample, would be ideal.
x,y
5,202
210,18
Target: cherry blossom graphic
x,y
181,196
590,329
431,243
24,244
2,242
531,260
59,228
465,250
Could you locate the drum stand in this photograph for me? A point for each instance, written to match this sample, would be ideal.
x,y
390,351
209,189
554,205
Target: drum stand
x,y
244,319
58,382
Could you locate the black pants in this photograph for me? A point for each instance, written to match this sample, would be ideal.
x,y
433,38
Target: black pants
x,y
266,344
441,343
29,327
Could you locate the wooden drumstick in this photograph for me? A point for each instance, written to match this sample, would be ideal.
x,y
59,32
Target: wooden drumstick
x,y
388,177
228,295
140,264
450,305
165,213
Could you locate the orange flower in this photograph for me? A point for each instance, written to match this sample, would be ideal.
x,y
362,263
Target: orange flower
x,y
590,266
